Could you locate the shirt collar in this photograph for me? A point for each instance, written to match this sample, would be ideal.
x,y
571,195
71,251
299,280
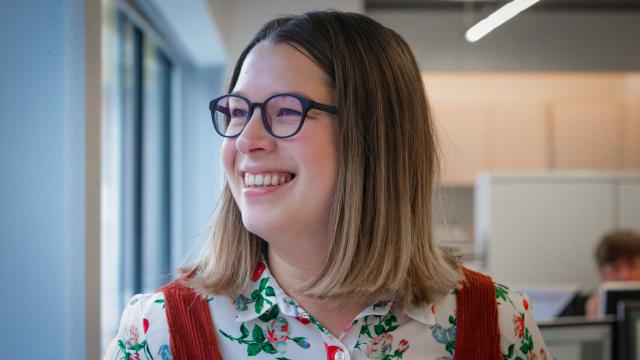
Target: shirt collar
x,y
264,292
423,313
259,297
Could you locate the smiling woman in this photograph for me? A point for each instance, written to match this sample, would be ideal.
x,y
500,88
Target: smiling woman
x,y
323,243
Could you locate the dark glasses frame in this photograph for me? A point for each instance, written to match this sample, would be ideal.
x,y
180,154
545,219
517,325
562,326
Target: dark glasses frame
x,y
307,104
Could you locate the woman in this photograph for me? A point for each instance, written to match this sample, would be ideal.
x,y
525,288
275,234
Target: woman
x,y
323,244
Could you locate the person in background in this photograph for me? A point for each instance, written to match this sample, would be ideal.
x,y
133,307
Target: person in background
x,y
618,258
323,246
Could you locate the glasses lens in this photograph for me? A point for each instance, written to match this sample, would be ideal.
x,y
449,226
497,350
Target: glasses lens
x,y
284,115
230,115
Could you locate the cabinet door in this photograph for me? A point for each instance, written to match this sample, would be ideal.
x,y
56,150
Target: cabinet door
x,y
631,132
587,135
518,137
463,132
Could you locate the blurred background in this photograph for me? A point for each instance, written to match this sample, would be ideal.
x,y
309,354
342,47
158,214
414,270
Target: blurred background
x,y
110,169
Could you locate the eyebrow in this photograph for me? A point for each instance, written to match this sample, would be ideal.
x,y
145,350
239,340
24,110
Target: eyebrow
x,y
273,93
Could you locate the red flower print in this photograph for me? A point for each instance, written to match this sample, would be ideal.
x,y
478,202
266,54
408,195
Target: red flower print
x,y
278,331
379,346
304,321
258,271
145,325
403,346
132,336
525,304
518,322
332,350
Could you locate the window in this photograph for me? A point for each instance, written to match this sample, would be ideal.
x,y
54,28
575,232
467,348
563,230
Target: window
x,y
136,170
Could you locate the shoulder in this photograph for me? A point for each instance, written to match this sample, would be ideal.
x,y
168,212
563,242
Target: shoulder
x,y
519,333
143,330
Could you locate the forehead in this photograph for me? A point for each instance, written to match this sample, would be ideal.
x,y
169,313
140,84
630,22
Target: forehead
x,y
273,68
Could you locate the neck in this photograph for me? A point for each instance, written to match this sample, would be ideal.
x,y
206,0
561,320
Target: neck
x,y
293,273
292,270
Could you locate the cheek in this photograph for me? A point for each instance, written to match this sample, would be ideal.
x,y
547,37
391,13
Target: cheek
x,y
319,155
227,156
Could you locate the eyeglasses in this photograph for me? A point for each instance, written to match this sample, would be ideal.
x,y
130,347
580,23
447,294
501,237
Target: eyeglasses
x,y
282,114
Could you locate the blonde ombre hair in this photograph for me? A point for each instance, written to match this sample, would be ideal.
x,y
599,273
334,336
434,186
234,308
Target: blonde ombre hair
x,y
380,235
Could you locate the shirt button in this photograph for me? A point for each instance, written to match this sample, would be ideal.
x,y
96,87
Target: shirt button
x,y
339,355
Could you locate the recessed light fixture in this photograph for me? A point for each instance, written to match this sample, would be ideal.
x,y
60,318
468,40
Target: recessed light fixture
x,y
499,17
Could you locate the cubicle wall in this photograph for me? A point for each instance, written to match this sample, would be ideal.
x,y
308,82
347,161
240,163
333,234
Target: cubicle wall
x,y
542,228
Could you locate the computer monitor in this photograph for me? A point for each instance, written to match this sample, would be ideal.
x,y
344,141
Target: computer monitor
x,y
628,329
549,300
612,292
577,338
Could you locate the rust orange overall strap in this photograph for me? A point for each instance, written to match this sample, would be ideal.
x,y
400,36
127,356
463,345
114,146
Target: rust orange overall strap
x,y
477,333
190,325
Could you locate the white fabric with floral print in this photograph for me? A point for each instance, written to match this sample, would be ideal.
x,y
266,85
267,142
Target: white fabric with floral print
x,y
264,323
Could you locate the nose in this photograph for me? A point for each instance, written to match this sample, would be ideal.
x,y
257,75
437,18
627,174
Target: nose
x,y
254,137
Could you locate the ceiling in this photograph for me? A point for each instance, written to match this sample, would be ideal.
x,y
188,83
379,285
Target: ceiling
x,y
574,5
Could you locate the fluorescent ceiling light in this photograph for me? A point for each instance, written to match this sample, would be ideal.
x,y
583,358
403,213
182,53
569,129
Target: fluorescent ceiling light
x,y
499,17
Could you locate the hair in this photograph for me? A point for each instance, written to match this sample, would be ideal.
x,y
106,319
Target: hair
x,y
380,232
617,245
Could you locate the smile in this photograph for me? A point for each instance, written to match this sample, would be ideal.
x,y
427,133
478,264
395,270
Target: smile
x,y
266,179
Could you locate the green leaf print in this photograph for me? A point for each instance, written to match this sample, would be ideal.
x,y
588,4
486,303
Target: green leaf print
x,y
270,315
258,335
364,330
259,343
509,354
527,342
244,331
379,329
263,284
450,346
501,292
390,320
259,305
269,349
160,301
254,349
269,291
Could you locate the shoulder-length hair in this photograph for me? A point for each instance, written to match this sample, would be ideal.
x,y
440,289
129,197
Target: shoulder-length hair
x,y
380,235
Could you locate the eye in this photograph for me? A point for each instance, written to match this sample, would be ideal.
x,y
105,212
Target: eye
x,y
289,112
238,113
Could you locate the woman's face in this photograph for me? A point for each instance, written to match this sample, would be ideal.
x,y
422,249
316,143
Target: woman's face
x,y
300,207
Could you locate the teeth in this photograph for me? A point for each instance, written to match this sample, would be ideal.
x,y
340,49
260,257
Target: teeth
x,y
261,180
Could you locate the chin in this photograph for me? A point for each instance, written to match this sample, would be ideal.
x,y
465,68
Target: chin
x,y
260,226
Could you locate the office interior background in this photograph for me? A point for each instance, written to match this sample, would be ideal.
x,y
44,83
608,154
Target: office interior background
x,y
110,169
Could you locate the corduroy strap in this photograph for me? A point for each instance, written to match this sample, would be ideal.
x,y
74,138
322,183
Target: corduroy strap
x,y
477,333
190,325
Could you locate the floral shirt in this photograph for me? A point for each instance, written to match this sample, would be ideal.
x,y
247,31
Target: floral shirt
x,y
265,323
